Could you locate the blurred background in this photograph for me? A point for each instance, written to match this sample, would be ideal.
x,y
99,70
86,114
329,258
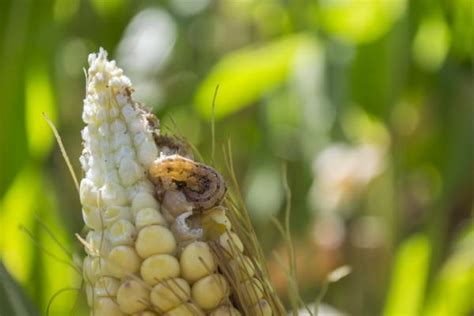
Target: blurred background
x,y
368,103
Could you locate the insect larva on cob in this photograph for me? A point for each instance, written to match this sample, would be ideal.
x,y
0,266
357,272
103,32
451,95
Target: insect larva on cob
x,y
160,240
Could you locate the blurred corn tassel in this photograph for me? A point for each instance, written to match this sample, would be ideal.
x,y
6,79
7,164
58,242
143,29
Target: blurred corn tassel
x,y
161,239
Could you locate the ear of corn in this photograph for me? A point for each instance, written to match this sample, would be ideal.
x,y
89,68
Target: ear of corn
x,y
159,242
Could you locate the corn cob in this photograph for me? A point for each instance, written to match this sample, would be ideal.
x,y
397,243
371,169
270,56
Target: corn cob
x,y
159,240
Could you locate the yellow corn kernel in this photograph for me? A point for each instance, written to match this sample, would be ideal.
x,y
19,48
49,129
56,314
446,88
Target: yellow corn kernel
x,y
197,261
186,309
106,306
159,267
106,286
262,308
133,296
225,310
170,294
123,261
252,290
149,216
210,291
231,243
155,239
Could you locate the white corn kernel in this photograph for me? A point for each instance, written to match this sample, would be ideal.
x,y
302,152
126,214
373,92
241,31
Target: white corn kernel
x,y
106,286
133,297
159,267
114,194
88,193
106,306
143,200
210,291
197,261
97,244
170,294
115,213
122,232
94,267
123,261
92,217
129,171
149,216
155,239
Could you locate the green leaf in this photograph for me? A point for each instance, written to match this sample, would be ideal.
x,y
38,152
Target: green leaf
x,y
410,273
246,75
13,300
39,99
454,286
358,21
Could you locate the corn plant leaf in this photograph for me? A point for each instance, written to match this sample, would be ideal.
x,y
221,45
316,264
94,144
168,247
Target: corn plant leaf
x,y
406,293
13,300
246,75
453,288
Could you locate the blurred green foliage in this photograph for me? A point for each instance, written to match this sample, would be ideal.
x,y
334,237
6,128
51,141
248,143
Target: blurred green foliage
x,y
295,78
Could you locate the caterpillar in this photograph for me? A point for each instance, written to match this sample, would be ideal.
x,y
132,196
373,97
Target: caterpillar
x,y
202,186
